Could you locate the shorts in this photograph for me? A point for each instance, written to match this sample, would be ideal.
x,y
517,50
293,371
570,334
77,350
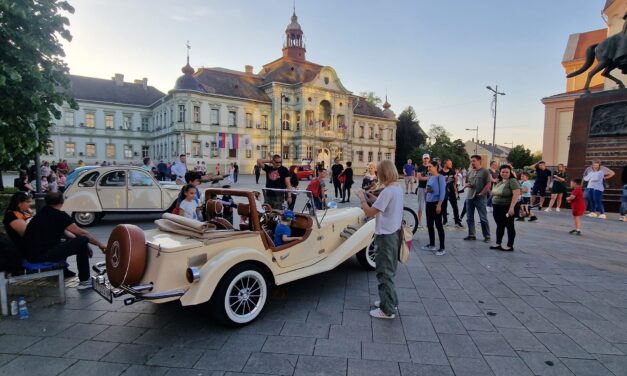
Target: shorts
x,y
525,200
409,179
538,190
421,193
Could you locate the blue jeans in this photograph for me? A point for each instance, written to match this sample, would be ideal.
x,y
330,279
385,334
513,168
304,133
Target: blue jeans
x,y
587,196
597,201
623,199
478,203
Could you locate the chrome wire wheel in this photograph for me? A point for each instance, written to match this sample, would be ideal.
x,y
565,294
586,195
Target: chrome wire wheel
x,y
367,256
245,296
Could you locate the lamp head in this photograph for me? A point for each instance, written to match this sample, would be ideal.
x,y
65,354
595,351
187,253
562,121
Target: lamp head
x,y
489,87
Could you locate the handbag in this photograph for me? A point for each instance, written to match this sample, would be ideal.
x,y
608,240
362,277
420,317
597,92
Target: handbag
x,y
342,178
405,236
177,210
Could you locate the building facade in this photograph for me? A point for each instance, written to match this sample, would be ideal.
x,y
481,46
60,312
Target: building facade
x,y
291,107
488,153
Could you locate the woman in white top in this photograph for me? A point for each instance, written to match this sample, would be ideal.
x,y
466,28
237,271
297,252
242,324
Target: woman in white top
x,y
596,185
388,213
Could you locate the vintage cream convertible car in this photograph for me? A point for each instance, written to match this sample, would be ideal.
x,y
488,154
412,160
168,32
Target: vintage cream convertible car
x,y
230,264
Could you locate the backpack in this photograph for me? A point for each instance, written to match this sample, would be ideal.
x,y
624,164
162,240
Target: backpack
x,y
314,187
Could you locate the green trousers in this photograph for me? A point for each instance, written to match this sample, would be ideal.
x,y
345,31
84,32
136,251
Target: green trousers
x,y
386,257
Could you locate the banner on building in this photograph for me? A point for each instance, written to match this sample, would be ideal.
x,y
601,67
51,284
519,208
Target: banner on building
x,y
221,140
234,141
248,142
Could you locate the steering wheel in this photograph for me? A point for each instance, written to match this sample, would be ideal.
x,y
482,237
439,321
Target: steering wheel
x,y
268,215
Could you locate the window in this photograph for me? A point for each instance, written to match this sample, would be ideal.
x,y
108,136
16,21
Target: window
x,y
298,121
128,151
90,150
49,147
196,114
126,122
388,156
70,149
109,122
286,152
379,155
264,121
214,152
110,153
90,120
249,153
215,116
360,156
181,113
172,151
264,151
145,124
232,153
370,132
249,120
309,152
286,121
68,118
361,131
369,156
89,180
196,149
145,151
296,153
139,179
114,179
232,119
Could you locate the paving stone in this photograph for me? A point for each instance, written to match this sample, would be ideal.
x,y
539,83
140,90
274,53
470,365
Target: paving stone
x,y
579,311
265,327
359,367
320,365
522,340
459,346
67,315
305,329
276,364
456,295
508,366
90,350
388,331
244,343
470,367
466,308
501,318
427,353
438,307
347,332
418,329
353,318
192,372
586,367
32,327
14,344
122,334
591,342
476,323
175,356
607,330
411,369
411,309
131,353
137,370
544,364
385,351
88,367
52,346
5,358
339,347
325,318
289,345
222,360
115,318
492,343
562,346
449,325
144,320
615,363
83,331
35,366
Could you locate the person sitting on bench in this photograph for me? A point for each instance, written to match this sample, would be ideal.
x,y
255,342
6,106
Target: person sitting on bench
x,y
43,238
283,232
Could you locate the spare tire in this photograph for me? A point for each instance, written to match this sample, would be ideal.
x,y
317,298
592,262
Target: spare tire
x,y
126,255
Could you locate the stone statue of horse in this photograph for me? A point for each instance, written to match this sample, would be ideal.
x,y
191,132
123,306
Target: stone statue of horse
x,y
611,54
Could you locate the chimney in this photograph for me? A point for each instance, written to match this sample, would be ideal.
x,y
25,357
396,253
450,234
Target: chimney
x,y
473,139
145,83
119,79
248,69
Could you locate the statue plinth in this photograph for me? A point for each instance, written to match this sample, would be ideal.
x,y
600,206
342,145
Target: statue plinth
x,y
600,132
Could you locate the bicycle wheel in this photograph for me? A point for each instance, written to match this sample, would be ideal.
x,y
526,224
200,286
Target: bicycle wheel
x,y
410,219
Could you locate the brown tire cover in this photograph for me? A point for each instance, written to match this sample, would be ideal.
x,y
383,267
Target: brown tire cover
x,y
126,255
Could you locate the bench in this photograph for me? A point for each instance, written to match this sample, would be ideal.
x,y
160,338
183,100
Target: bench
x,y
32,271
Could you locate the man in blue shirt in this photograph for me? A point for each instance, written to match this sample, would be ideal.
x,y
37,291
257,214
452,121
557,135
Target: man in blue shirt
x,y
283,232
408,170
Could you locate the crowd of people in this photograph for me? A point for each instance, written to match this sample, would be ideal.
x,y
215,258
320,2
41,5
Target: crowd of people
x,y
52,177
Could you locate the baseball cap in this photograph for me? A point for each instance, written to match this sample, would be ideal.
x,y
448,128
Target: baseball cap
x,y
426,155
287,215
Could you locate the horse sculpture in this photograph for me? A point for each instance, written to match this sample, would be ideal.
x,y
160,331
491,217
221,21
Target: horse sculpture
x,y
611,54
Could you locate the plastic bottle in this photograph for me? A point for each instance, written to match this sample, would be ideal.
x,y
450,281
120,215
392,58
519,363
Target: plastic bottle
x,y
14,309
22,308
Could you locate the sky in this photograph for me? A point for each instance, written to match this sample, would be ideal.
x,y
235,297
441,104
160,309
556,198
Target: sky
x,y
436,56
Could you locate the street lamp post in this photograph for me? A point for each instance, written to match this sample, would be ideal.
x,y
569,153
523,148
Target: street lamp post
x,y
496,93
476,129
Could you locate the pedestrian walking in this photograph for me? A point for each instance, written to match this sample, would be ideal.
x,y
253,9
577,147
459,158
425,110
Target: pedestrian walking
x,y
422,175
505,195
477,190
348,182
543,177
336,170
388,213
235,172
257,172
558,188
577,204
435,196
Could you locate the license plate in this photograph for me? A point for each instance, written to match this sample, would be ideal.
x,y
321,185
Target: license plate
x,y
102,288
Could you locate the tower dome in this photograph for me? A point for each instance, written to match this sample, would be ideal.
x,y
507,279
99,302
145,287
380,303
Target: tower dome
x,y
386,109
187,81
294,46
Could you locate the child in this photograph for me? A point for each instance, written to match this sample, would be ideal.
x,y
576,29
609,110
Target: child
x,y
577,204
53,185
317,189
283,232
188,207
525,204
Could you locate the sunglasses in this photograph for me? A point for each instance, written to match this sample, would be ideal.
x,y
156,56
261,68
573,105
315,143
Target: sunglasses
x,y
278,162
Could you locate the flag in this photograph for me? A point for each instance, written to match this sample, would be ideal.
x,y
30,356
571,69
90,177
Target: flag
x,y
221,140
248,142
234,141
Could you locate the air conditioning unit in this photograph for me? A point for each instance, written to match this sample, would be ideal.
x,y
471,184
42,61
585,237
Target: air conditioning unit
x,y
136,154
81,153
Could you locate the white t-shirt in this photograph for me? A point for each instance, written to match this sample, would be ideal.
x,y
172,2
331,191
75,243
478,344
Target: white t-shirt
x,y
595,180
188,209
390,205
179,169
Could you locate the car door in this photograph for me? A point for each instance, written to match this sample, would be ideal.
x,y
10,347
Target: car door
x,y
143,191
302,254
112,190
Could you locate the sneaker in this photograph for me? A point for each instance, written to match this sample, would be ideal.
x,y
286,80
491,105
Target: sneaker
x,y
623,218
487,240
575,232
428,247
602,216
379,314
84,285
521,219
440,252
557,210
533,218
547,210
459,224
420,227
377,304
592,215
470,237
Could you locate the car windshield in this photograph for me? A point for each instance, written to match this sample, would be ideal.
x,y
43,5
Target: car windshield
x,y
74,174
302,200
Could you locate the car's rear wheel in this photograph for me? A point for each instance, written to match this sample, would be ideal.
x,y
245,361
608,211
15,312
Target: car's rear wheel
x,y
85,219
240,296
366,256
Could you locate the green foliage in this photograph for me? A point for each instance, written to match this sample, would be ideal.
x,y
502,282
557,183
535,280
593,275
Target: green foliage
x,y
408,136
371,97
33,76
443,148
520,157
536,157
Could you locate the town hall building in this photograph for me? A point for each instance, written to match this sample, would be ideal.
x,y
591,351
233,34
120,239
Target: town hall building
x,y
291,106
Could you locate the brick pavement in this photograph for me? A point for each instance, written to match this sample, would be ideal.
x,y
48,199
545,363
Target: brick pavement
x,y
556,306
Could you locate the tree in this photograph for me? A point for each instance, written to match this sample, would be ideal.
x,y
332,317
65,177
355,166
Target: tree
x,y
536,156
443,148
371,97
520,157
33,77
408,136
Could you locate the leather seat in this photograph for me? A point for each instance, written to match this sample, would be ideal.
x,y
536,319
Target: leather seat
x,y
214,210
243,210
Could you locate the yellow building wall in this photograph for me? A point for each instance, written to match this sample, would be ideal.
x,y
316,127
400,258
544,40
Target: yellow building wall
x,y
564,127
578,82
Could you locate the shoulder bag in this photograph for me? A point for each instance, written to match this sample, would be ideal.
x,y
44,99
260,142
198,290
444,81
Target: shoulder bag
x,y
405,237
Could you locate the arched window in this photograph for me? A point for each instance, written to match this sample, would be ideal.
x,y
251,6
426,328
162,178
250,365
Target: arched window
x,y
286,121
324,113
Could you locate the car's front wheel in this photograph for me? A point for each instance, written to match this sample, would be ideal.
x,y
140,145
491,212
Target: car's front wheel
x,y
85,219
366,256
240,296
